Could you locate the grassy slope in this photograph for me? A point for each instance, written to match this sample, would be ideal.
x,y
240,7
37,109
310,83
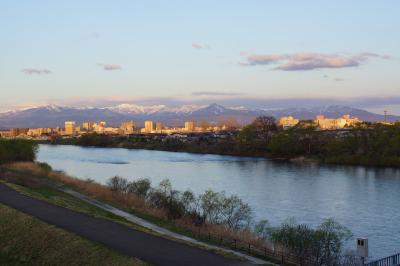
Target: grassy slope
x,y
32,180
25,240
37,185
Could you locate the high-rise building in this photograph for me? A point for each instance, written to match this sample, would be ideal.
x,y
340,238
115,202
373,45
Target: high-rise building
x,y
148,126
189,126
159,127
127,127
70,127
88,126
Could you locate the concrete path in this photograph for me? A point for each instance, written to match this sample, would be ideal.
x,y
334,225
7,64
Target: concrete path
x,y
147,247
160,230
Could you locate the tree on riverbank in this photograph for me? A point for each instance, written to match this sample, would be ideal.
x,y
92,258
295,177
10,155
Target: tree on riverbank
x,y
320,246
365,144
15,150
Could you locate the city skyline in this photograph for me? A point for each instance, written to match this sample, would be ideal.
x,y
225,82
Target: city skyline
x,y
73,129
230,52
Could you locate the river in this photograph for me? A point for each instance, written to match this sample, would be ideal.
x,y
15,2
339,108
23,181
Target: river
x,y
366,200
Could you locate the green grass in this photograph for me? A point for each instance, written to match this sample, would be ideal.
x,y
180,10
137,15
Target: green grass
x,y
25,240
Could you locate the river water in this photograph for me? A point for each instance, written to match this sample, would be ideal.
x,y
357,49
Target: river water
x,y
366,200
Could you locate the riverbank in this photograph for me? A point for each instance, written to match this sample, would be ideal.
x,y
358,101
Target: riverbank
x,y
232,148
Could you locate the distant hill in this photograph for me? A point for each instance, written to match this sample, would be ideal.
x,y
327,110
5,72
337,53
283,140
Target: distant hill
x,y
53,116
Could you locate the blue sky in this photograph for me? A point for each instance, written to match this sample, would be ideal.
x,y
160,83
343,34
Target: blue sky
x,y
198,50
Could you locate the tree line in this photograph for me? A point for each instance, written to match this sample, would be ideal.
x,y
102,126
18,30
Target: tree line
x,y
363,144
372,144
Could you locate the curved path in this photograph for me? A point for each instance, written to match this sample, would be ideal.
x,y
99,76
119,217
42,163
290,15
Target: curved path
x,y
158,229
147,247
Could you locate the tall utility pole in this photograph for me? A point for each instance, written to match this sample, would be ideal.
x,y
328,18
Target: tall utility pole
x,y
385,112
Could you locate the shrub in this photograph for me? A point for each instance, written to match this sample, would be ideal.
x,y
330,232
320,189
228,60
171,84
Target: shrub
x,y
211,204
168,199
320,246
190,202
235,213
17,150
140,187
45,167
118,184
263,229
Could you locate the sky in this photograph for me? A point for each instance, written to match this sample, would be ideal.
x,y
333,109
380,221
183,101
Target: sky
x,y
169,52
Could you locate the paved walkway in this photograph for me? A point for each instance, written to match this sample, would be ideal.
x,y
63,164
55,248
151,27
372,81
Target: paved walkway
x,y
160,230
147,247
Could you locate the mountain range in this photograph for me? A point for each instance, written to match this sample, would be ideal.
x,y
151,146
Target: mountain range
x,y
53,115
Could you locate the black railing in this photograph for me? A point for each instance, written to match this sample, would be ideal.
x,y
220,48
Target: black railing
x,y
255,250
388,261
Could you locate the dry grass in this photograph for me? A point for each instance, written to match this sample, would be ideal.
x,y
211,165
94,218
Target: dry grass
x,y
12,173
102,192
138,204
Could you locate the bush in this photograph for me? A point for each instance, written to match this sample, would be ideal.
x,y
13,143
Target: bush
x,y
230,211
140,187
235,213
94,139
118,184
166,198
320,246
45,167
17,150
214,207
263,229
211,204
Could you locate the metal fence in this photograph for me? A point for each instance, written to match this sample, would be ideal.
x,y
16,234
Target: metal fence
x,y
254,250
388,261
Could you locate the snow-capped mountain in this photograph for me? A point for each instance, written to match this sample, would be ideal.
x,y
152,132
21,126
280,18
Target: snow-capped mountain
x,y
54,115
152,109
137,109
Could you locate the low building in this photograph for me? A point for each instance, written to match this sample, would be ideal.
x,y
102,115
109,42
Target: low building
x,y
336,123
15,132
5,134
288,122
100,127
38,132
111,130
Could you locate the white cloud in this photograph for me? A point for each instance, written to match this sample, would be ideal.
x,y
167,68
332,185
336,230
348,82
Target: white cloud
x,y
36,71
109,67
308,61
200,46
